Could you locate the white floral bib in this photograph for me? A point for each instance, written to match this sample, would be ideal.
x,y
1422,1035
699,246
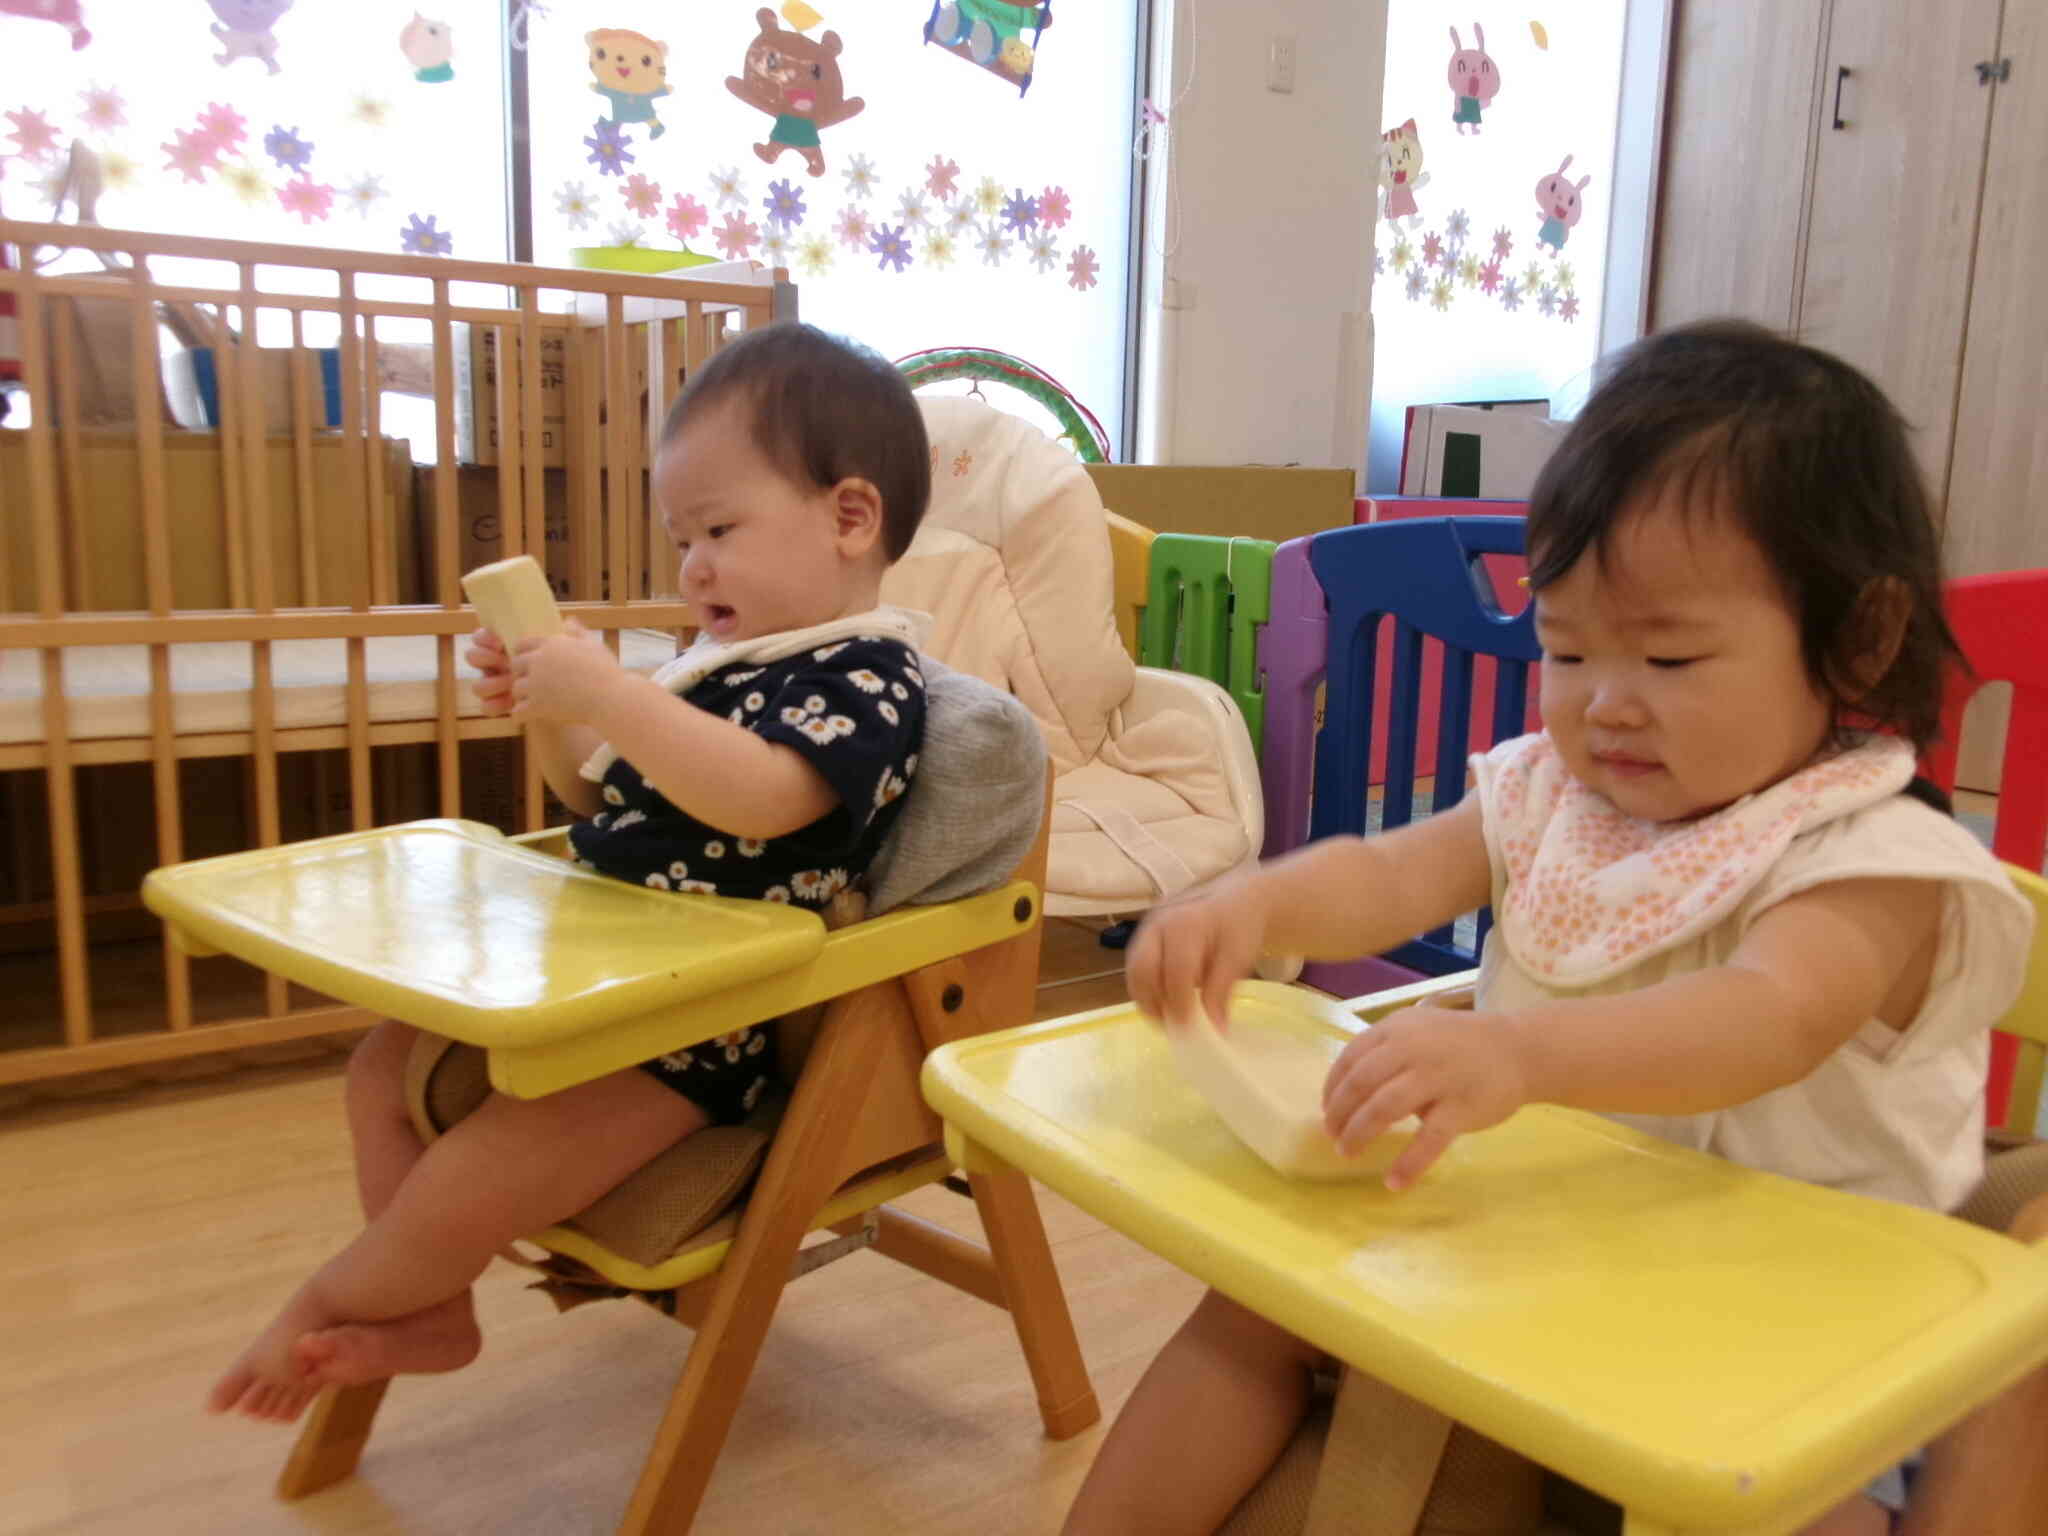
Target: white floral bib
x,y
1590,891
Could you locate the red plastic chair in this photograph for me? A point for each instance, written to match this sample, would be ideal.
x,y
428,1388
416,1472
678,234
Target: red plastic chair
x,y
1998,620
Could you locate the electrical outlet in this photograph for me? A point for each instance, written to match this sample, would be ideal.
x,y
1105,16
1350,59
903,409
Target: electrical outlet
x,y
1280,63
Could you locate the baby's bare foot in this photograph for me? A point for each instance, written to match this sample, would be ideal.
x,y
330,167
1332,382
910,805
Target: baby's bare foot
x,y
439,1338
268,1381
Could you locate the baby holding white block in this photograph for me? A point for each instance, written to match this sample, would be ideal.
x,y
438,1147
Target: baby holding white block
x,y
1725,910
769,761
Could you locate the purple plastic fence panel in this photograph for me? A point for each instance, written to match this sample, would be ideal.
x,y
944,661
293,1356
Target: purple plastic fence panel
x,y
1291,651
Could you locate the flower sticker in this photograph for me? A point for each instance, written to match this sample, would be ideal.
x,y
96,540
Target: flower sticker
x,y
939,178
364,194
291,152
1020,213
1081,269
104,111
642,196
784,203
686,216
736,236
34,135
853,229
574,203
421,238
814,255
1054,208
891,247
308,199
610,149
727,189
860,176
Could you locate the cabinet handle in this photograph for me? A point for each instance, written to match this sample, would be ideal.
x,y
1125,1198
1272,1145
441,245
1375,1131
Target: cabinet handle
x,y
1988,71
1842,73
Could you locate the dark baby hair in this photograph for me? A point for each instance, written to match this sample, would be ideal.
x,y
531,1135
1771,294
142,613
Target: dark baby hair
x,y
823,409
1812,462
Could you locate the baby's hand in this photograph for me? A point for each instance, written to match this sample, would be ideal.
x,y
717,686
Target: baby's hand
x,y
1460,1071
494,689
557,678
1191,952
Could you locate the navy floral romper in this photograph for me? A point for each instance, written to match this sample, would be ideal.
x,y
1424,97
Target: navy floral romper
x,y
855,710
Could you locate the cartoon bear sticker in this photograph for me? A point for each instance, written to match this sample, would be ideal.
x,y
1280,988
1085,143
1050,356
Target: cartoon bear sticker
x,y
796,81
629,70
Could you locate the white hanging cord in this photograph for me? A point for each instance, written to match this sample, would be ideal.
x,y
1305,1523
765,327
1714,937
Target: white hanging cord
x,y
523,12
1158,122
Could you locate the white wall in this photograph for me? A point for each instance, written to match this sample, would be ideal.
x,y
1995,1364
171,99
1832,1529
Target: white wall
x,y
1265,230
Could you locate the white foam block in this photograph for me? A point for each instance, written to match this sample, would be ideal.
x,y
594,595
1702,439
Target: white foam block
x,y
1264,1078
513,599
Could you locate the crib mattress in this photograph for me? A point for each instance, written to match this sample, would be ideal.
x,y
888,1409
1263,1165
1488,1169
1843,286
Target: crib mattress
x,y
108,685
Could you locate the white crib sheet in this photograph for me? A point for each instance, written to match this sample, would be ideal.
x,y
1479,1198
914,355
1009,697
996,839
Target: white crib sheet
x,y
108,685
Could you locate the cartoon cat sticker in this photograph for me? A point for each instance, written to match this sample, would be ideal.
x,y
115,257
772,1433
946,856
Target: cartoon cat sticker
x,y
1401,174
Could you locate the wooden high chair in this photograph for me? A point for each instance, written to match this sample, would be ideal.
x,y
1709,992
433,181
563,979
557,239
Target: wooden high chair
x,y
564,975
1715,1349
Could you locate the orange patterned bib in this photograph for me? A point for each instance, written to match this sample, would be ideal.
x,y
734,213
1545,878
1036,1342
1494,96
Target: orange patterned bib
x,y
1590,892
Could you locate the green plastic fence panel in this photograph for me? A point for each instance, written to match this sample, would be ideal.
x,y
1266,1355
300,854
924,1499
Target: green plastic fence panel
x,y
1205,598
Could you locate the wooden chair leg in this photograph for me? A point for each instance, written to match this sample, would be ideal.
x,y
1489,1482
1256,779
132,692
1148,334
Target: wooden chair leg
x,y
802,1170
1038,1307
331,1443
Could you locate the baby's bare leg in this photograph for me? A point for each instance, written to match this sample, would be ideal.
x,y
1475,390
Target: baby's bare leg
x,y
1204,1425
512,1167
386,1145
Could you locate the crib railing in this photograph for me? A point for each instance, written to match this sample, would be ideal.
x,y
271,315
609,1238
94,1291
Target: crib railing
x,y
93,556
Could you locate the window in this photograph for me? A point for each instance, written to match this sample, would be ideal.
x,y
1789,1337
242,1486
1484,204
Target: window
x,y
1491,245
958,207
312,128
979,197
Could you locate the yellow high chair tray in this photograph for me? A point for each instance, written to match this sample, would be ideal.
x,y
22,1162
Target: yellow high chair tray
x,y
1712,1347
562,973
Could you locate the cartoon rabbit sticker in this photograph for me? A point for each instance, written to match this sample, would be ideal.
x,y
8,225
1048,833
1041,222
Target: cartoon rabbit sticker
x,y
1401,173
1474,79
1558,198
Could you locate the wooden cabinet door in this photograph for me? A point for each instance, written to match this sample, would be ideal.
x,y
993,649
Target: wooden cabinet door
x,y
1998,480
1739,120
1891,232
1998,486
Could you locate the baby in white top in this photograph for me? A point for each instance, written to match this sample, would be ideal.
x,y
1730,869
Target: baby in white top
x,y
1725,909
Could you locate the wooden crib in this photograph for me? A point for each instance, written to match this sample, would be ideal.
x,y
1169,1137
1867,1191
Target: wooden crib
x,y
232,637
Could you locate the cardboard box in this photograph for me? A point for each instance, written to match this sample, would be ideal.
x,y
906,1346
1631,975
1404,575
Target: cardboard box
x,y
192,385
481,538
476,389
1489,451
101,520
1244,500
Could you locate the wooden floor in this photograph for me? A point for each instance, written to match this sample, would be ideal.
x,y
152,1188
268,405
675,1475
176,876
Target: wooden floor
x,y
153,1231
